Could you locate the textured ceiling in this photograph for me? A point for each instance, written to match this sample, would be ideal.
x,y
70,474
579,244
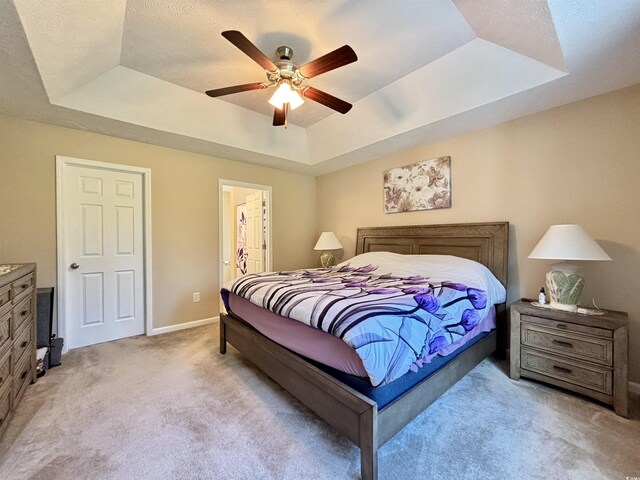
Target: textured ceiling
x,y
71,41
526,27
184,46
426,69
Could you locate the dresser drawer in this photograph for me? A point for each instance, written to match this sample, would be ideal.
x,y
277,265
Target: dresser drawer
x,y
5,369
5,405
23,343
21,287
567,326
576,372
21,313
5,299
569,344
21,378
5,331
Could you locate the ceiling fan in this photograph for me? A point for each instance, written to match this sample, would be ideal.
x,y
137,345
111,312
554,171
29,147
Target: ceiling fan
x,y
289,78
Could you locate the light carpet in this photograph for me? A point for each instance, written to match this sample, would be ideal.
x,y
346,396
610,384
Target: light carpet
x,y
172,407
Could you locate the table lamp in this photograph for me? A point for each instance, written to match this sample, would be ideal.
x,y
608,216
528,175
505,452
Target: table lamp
x,y
327,241
564,280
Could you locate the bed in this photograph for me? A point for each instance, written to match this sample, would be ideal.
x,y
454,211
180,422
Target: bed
x,y
332,394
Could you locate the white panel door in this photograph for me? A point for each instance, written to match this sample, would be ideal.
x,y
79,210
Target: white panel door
x,y
227,237
254,233
103,232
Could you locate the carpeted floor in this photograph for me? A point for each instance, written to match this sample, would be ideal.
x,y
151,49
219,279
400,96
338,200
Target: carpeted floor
x,y
170,407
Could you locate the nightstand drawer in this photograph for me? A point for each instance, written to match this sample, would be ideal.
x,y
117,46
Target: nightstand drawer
x,y
567,326
578,373
581,347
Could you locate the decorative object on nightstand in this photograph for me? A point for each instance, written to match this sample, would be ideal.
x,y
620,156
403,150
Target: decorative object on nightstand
x,y
542,298
327,241
564,280
584,354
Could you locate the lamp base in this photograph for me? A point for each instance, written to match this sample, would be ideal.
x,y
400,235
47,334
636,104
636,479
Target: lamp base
x,y
564,284
327,260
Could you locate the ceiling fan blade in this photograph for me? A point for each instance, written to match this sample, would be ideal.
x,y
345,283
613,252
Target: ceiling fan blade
x,y
219,92
279,117
326,100
332,60
244,44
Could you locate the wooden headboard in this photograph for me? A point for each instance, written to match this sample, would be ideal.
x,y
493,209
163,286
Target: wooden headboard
x,y
486,243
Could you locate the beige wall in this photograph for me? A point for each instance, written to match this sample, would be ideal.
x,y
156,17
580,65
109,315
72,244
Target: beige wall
x,y
184,210
576,164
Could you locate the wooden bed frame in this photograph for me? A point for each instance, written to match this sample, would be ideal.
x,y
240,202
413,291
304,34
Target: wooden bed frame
x,y
352,414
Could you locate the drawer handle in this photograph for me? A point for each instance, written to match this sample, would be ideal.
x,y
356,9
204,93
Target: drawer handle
x,y
1,380
24,374
25,286
561,325
24,313
24,344
568,371
563,344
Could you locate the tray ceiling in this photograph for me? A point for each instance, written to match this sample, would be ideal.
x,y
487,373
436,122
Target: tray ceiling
x,y
426,70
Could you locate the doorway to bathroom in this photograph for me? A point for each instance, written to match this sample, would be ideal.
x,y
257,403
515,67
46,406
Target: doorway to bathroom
x,y
245,229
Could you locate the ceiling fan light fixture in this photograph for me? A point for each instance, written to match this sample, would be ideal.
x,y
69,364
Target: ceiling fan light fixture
x,y
285,94
295,100
288,78
281,95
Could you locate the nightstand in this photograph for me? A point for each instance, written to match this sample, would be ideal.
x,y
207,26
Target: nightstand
x,y
587,354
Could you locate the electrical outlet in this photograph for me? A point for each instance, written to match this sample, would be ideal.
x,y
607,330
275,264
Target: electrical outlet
x,y
196,296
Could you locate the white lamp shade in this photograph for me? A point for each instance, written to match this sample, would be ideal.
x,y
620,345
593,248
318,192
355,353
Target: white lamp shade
x,y
281,95
328,241
295,100
568,242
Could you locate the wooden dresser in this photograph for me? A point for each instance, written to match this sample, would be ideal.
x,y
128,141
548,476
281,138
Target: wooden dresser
x,y
587,354
17,335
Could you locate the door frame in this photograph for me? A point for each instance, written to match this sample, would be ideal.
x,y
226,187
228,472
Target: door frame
x,y
269,200
62,162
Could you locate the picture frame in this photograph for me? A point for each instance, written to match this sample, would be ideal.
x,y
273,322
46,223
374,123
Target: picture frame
x,y
424,185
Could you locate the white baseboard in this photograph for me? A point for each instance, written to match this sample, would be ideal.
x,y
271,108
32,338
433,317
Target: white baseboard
x,y
183,326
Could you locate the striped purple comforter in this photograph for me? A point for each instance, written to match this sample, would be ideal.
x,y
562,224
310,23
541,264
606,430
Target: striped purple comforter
x,y
392,322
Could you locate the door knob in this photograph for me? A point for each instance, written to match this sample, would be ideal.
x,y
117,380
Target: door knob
x,y
74,266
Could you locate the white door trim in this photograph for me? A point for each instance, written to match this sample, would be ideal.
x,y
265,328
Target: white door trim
x,y
61,163
255,186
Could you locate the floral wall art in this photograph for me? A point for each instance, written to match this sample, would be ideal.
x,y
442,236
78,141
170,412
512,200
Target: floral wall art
x,y
422,186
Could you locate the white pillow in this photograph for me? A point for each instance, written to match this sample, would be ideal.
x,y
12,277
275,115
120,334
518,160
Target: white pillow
x,y
437,267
